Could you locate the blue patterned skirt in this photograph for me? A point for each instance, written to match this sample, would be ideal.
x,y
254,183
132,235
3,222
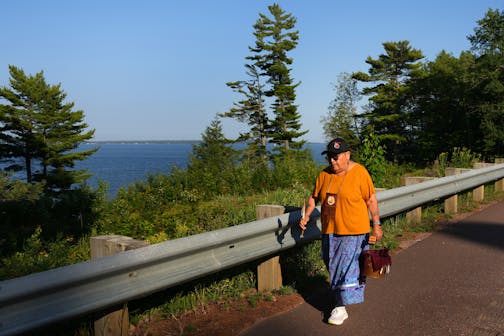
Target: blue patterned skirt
x,y
341,257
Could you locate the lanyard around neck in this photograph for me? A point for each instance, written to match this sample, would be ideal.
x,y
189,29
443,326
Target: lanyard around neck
x,y
341,184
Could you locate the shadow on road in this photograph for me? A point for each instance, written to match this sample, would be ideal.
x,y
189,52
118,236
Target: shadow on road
x,y
485,233
319,297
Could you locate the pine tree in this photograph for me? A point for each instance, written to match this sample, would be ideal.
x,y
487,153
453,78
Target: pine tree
x,y
212,162
275,37
442,102
251,110
388,108
488,37
18,136
39,127
488,82
63,130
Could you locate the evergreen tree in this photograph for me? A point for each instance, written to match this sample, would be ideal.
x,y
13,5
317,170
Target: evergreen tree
x,y
37,126
18,120
63,129
442,117
275,37
389,102
341,120
251,110
458,102
212,162
488,38
488,82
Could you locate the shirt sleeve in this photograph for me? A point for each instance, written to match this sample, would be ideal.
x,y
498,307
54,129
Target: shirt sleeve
x,y
367,186
316,189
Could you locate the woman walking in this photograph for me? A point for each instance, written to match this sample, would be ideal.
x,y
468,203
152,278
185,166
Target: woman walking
x,y
348,198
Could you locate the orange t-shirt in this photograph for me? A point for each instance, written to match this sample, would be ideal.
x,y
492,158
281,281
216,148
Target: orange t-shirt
x,y
351,212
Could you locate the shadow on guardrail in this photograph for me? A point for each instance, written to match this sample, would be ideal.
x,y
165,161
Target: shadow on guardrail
x,y
292,229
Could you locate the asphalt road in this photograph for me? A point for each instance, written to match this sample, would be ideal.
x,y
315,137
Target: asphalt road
x,y
450,283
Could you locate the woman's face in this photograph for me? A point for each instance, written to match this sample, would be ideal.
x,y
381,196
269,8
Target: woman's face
x,y
339,162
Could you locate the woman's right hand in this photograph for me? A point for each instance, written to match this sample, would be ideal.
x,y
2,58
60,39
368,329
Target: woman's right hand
x,y
303,221
306,212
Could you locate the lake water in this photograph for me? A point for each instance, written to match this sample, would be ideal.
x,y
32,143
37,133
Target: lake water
x,y
120,164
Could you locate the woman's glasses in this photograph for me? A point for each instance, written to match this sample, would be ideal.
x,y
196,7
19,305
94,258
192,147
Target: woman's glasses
x,y
333,156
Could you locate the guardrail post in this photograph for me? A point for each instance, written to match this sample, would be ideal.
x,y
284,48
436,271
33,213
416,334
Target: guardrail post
x,y
451,203
117,322
478,165
499,184
479,193
269,272
414,216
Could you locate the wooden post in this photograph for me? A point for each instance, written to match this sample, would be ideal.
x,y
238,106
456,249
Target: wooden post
x,y
269,272
414,216
479,192
451,203
115,323
478,165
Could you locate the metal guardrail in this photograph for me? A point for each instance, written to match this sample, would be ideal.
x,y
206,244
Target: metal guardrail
x,y
40,299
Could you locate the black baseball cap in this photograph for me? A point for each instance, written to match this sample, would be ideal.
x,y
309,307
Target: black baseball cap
x,y
336,146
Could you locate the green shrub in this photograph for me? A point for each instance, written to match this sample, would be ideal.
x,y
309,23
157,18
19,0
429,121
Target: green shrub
x,y
38,255
459,158
463,157
295,167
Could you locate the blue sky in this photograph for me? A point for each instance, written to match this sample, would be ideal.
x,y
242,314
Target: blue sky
x,y
157,70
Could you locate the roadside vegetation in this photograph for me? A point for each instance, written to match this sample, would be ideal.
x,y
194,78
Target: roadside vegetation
x,y
48,215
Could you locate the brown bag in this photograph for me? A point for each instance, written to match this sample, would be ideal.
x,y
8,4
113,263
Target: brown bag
x,y
328,210
375,263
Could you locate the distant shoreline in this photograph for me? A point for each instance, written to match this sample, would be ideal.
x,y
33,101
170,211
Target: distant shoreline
x,y
154,142
143,142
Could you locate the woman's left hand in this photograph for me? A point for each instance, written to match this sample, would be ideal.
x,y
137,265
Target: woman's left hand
x,y
377,231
